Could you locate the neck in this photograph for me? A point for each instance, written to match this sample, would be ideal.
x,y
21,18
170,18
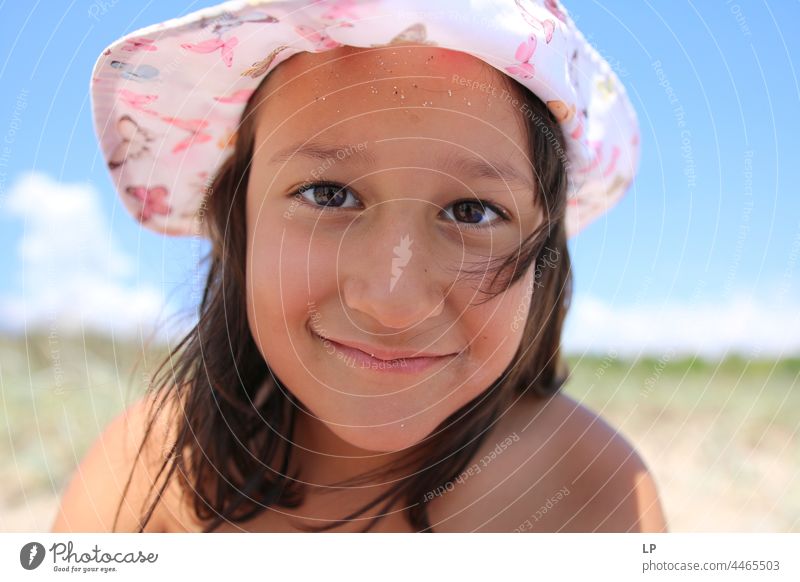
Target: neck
x,y
326,459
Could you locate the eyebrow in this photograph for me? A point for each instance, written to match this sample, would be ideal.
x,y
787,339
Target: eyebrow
x,y
321,151
465,165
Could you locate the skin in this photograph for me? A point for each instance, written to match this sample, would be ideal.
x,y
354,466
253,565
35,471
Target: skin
x,y
308,270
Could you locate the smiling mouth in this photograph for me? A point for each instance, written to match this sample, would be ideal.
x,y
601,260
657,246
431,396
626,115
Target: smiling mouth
x,y
381,353
357,357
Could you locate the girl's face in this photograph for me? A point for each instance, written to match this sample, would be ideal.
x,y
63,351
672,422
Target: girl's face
x,y
413,140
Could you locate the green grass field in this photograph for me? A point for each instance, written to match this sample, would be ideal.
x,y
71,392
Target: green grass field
x,y
721,437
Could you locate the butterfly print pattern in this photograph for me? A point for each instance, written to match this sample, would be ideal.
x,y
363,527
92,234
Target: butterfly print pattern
x,y
135,73
150,201
225,47
133,145
195,128
524,68
139,44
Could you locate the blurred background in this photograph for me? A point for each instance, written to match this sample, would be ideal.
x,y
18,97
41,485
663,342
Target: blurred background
x,y
684,330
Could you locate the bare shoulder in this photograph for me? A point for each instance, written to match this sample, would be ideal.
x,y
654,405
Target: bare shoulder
x,y
553,465
91,499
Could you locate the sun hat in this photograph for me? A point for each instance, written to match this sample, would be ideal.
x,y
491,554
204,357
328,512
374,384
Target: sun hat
x,y
167,98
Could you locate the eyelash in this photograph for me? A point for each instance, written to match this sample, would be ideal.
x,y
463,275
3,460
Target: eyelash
x,y
502,214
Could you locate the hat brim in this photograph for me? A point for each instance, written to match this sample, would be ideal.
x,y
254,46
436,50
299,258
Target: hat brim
x,y
167,99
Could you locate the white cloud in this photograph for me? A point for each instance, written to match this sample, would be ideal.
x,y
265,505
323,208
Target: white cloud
x,y
744,324
72,277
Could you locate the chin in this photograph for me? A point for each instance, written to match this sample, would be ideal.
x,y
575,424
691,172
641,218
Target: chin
x,y
382,439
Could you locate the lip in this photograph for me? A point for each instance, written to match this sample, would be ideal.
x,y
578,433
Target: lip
x,y
396,361
383,354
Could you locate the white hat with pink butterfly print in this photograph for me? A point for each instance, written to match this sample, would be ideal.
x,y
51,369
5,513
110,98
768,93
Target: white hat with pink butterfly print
x,y
167,99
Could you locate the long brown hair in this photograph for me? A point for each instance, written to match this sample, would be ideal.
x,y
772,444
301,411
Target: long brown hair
x,y
233,443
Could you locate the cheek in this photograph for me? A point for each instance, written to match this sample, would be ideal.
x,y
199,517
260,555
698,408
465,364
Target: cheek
x,y
285,273
496,328
287,262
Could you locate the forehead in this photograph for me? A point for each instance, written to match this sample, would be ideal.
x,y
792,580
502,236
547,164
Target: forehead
x,y
404,99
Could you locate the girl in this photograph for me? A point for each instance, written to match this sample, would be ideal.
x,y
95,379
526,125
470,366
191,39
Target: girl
x,y
388,191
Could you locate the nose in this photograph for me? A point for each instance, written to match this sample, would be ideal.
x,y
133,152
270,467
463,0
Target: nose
x,y
392,275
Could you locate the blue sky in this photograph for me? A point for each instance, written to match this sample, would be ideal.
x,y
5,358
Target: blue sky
x,y
696,257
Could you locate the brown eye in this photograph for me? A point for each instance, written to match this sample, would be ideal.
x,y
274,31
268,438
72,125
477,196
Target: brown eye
x,y
325,195
470,213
